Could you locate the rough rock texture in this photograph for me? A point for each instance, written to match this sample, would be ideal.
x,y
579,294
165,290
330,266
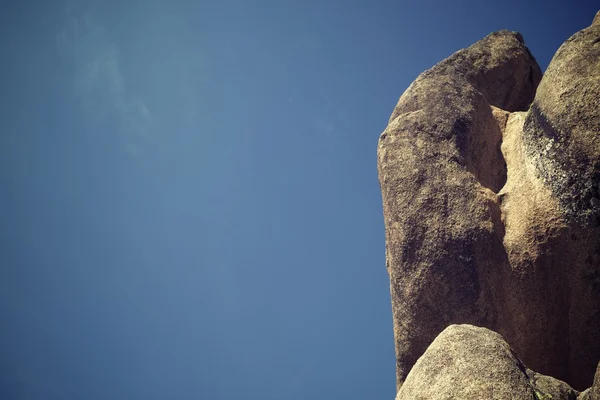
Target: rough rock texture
x,y
491,203
593,393
559,243
468,362
562,129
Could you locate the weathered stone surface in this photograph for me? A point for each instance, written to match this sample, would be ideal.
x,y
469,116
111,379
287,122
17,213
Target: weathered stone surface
x,y
592,393
562,129
549,388
556,240
534,311
595,390
440,165
491,206
467,362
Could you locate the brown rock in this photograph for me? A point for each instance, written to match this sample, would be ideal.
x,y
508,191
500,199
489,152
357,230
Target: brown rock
x,y
561,138
534,300
563,125
440,165
489,208
467,362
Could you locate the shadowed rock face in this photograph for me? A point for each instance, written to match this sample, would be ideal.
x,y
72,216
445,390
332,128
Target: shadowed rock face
x,y
491,207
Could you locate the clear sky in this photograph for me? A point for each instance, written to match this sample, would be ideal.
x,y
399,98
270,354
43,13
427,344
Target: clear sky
x,y
189,204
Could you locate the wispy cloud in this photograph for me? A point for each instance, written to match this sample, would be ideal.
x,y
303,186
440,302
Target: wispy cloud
x,y
98,80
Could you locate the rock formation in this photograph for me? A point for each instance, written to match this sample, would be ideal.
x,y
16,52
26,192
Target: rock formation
x,y
491,199
466,362
592,393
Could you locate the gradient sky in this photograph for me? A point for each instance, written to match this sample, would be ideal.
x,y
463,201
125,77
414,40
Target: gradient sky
x,y
188,190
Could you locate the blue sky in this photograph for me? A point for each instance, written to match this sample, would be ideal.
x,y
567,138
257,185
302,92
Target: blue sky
x,y
188,190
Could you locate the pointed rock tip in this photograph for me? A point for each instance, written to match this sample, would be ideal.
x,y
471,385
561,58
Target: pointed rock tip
x,y
519,37
596,20
506,32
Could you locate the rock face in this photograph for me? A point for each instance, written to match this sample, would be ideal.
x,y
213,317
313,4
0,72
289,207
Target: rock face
x,y
466,362
491,199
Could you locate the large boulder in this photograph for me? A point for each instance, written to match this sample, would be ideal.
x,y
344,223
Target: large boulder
x,y
440,166
491,198
563,127
467,362
554,223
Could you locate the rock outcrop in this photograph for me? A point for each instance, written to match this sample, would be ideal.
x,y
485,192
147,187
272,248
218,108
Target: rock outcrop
x,y
466,362
491,199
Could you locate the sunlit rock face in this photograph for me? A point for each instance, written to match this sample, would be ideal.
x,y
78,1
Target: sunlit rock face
x,y
490,179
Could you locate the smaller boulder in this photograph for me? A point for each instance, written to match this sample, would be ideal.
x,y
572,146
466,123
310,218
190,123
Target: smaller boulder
x,y
468,362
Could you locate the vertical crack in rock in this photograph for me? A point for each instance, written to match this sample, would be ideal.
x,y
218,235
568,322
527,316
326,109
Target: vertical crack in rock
x,y
483,138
